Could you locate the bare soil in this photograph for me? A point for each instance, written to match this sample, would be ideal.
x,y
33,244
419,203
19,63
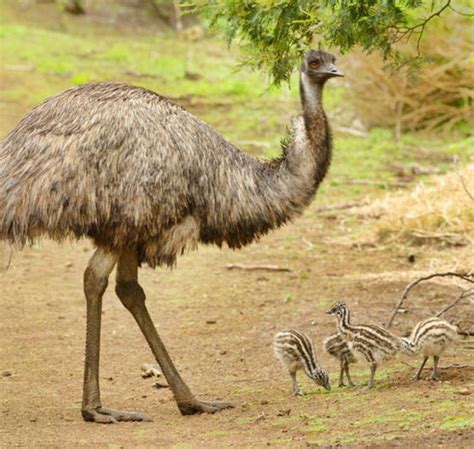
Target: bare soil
x,y
218,326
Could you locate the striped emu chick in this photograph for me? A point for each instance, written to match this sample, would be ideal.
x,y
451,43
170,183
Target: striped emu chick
x,y
368,342
335,346
295,351
430,338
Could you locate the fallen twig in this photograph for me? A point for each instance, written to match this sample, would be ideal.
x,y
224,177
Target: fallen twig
x,y
462,295
340,206
369,182
469,277
456,167
239,266
353,131
446,237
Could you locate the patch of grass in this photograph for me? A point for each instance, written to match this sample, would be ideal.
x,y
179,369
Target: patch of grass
x,y
140,432
280,441
318,425
247,390
457,422
216,433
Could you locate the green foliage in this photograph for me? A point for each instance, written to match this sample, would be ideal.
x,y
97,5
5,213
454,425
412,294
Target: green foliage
x,y
275,33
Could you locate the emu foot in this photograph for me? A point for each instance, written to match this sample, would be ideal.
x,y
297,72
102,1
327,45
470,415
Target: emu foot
x,y
417,376
201,406
434,377
298,392
105,415
351,384
367,388
341,384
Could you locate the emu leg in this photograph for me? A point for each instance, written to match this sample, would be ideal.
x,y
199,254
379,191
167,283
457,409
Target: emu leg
x,y
352,384
297,391
341,374
95,282
420,369
373,368
434,375
132,297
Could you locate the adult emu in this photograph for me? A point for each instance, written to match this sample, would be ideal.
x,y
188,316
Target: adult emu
x,y
146,180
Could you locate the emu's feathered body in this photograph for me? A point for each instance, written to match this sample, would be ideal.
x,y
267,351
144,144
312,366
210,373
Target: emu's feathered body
x,y
126,167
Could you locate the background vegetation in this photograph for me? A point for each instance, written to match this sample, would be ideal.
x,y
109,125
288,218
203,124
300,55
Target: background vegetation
x,y
393,206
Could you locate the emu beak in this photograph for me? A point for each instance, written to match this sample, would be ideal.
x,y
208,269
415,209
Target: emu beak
x,y
332,70
328,387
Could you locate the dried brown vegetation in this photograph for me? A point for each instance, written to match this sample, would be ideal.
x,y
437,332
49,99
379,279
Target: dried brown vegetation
x,y
442,213
438,96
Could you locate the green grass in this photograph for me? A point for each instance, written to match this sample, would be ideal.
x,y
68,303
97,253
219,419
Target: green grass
x,y
457,422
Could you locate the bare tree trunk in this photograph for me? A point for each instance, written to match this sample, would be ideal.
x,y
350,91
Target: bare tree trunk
x,y
178,22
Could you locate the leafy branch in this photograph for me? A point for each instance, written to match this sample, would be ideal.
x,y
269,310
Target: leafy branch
x,y
274,34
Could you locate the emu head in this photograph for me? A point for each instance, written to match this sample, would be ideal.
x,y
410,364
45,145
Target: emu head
x,y
321,378
340,310
319,66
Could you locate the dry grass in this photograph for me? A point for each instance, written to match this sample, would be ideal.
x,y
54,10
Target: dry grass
x,y
441,213
440,97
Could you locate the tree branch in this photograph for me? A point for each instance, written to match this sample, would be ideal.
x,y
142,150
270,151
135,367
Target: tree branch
x,y
408,31
239,266
462,295
469,277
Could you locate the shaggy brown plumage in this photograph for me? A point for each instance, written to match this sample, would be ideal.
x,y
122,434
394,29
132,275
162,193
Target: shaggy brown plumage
x,y
128,168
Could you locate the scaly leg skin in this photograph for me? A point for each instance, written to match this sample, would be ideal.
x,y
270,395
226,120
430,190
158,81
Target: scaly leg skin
x,y
341,375
420,369
352,384
373,368
297,391
434,375
132,297
95,283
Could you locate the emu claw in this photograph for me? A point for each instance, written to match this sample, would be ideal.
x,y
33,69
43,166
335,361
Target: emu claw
x,y
201,406
103,415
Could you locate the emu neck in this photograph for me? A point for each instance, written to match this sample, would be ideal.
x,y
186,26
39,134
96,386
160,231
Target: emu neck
x,y
267,194
311,95
344,325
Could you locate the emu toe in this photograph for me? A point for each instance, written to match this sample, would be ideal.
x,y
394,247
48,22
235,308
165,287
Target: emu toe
x,y
201,406
103,415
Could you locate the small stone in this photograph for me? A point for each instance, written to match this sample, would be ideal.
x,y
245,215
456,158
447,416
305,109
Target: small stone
x,y
6,374
211,322
264,402
68,264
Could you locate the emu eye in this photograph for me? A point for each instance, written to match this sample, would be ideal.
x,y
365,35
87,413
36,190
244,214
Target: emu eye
x,y
314,65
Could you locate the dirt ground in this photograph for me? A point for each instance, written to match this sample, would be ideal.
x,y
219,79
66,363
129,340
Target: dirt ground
x,y
218,326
